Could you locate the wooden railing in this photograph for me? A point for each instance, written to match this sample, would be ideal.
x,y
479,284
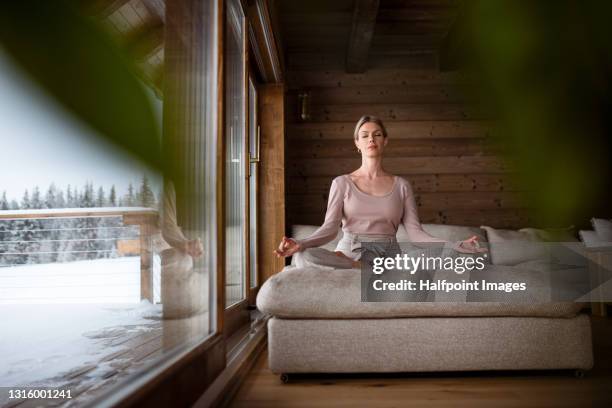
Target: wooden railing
x,y
145,218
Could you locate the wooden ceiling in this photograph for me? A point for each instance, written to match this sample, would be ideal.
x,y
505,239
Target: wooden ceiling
x,y
322,32
139,26
353,35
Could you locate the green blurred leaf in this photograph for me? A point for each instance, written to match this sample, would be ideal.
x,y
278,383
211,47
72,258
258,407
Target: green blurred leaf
x,y
545,68
73,59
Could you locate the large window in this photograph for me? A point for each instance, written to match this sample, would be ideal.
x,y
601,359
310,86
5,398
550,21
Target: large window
x,y
236,157
107,267
129,256
253,182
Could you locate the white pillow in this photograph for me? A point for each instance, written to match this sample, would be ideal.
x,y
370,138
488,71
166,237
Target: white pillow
x,y
603,229
592,240
552,234
509,247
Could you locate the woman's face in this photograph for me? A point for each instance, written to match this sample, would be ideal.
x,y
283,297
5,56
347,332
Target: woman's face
x,y
370,140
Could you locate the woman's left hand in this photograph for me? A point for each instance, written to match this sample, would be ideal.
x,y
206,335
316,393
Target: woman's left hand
x,y
470,246
194,247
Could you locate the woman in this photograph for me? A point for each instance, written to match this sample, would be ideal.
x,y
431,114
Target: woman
x,y
370,204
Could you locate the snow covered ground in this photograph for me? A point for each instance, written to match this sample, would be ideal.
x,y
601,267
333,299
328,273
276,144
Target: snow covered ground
x,y
115,280
52,315
40,342
95,281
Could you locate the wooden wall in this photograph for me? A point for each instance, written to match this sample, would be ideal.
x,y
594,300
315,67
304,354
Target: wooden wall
x,y
439,140
271,191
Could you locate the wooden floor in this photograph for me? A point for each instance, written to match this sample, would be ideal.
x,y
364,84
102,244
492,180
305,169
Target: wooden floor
x,y
262,388
138,346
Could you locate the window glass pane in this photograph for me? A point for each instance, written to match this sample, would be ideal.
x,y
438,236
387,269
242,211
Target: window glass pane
x,y
253,149
101,273
235,166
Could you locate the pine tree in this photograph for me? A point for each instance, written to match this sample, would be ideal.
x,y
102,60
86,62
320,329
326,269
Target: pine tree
x,y
4,205
25,201
145,195
60,202
70,201
113,197
76,197
51,197
101,199
36,201
87,199
14,205
130,200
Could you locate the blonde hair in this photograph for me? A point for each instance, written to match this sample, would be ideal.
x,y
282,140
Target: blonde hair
x,y
369,118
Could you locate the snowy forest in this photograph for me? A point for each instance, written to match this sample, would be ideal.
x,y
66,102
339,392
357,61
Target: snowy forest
x,y
46,240
87,196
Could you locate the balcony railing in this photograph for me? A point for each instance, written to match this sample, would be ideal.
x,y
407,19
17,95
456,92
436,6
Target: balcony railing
x,y
62,235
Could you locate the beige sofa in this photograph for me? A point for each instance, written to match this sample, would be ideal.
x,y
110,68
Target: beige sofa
x,y
320,325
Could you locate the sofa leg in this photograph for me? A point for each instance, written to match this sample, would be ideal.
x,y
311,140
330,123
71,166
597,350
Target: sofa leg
x,y
579,373
284,377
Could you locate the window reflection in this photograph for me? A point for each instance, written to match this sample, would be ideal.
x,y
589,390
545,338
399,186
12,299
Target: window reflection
x,y
109,278
235,99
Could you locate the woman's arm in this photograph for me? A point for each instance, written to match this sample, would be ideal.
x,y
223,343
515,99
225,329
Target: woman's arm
x,y
411,220
333,218
417,234
170,230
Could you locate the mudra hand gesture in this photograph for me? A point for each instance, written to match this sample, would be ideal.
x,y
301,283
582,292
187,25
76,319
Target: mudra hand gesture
x,y
470,246
287,247
193,247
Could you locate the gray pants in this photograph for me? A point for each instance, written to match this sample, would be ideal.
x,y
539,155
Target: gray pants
x,y
321,258
349,245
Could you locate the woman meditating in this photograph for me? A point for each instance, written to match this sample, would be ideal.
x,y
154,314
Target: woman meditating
x,y
370,204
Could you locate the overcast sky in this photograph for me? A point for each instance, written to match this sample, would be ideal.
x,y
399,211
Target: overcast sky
x,y
41,143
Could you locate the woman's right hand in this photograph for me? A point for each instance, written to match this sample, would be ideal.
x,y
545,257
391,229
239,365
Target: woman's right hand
x,y
287,247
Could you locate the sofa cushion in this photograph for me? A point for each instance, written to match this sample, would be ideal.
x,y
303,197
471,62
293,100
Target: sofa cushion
x,y
315,293
592,240
509,247
552,234
603,229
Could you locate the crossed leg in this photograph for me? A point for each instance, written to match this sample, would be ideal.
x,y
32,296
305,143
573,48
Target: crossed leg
x,y
321,257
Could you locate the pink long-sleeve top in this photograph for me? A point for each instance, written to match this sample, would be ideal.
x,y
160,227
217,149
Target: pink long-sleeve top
x,y
362,213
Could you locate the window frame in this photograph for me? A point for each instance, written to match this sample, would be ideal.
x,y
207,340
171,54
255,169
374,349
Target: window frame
x,y
237,315
191,368
252,291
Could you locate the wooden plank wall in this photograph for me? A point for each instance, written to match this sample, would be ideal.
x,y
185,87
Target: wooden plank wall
x,y
271,178
439,139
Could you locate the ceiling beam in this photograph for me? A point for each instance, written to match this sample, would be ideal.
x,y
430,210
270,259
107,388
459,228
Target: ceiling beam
x,y
265,42
104,8
362,31
145,40
156,8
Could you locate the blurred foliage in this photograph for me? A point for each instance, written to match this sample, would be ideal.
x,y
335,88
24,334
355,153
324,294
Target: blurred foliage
x,y
71,57
544,68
